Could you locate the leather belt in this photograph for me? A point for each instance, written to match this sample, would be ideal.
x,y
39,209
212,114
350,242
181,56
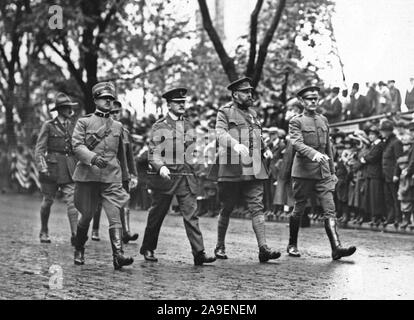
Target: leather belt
x,y
61,152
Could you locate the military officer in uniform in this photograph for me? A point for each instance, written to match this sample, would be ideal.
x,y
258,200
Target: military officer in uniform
x,y
172,174
240,169
129,182
56,163
97,143
313,171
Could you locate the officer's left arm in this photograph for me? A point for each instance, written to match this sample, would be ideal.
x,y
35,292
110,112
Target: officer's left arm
x,y
78,143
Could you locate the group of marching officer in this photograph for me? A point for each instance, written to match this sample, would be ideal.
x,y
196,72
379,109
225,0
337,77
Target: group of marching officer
x,y
91,162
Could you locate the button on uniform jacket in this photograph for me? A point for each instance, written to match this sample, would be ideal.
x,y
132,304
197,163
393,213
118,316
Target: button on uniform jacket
x,y
168,145
53,151
308,135
110,148
231,122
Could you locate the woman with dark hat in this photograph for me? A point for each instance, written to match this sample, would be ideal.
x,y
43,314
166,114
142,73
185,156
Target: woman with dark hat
x,y
359,170
374,196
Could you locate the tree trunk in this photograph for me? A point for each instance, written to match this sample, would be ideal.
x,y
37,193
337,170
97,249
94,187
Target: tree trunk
x,y
91,66
226,62
11,135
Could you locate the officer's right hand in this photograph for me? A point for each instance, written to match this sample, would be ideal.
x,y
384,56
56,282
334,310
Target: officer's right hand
x,y
99,162
45,172
165,173
320,157
241,149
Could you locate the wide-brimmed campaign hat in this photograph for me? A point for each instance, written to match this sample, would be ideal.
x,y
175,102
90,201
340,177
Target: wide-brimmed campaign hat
x,y
63,100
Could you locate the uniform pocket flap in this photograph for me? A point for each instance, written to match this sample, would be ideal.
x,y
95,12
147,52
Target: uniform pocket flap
x,y
308,129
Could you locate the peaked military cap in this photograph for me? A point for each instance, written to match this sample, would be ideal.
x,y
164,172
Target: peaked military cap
x,y
311,91
240,84
103,89
176,94
62,100
116,106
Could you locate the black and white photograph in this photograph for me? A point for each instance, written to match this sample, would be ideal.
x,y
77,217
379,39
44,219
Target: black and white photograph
x,y
207,156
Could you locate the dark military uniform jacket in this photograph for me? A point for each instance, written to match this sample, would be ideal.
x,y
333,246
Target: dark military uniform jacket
x,y
169,146
110,148
234,126
309,134
54,152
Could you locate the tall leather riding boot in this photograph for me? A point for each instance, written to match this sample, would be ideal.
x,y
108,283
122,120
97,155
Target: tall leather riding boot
x,y
406,219
44,219
126,235
119,260
292,249
337,250
79,242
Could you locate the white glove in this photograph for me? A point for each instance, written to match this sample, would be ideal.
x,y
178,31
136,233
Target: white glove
x,y
241,149
165,173
320,158
268,154
133,182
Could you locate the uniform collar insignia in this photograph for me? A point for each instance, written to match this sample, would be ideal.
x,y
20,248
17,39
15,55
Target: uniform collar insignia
x,y
101,114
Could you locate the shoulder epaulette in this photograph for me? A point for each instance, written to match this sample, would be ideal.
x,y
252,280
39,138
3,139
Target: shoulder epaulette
x,y
226,106
160,120
87,115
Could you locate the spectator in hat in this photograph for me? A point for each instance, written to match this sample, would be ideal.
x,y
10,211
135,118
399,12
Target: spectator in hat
x,y
341,188
333,107
374,184
372,98
360,175
395,96
393,149
409,95
406,178
384,98
358,105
